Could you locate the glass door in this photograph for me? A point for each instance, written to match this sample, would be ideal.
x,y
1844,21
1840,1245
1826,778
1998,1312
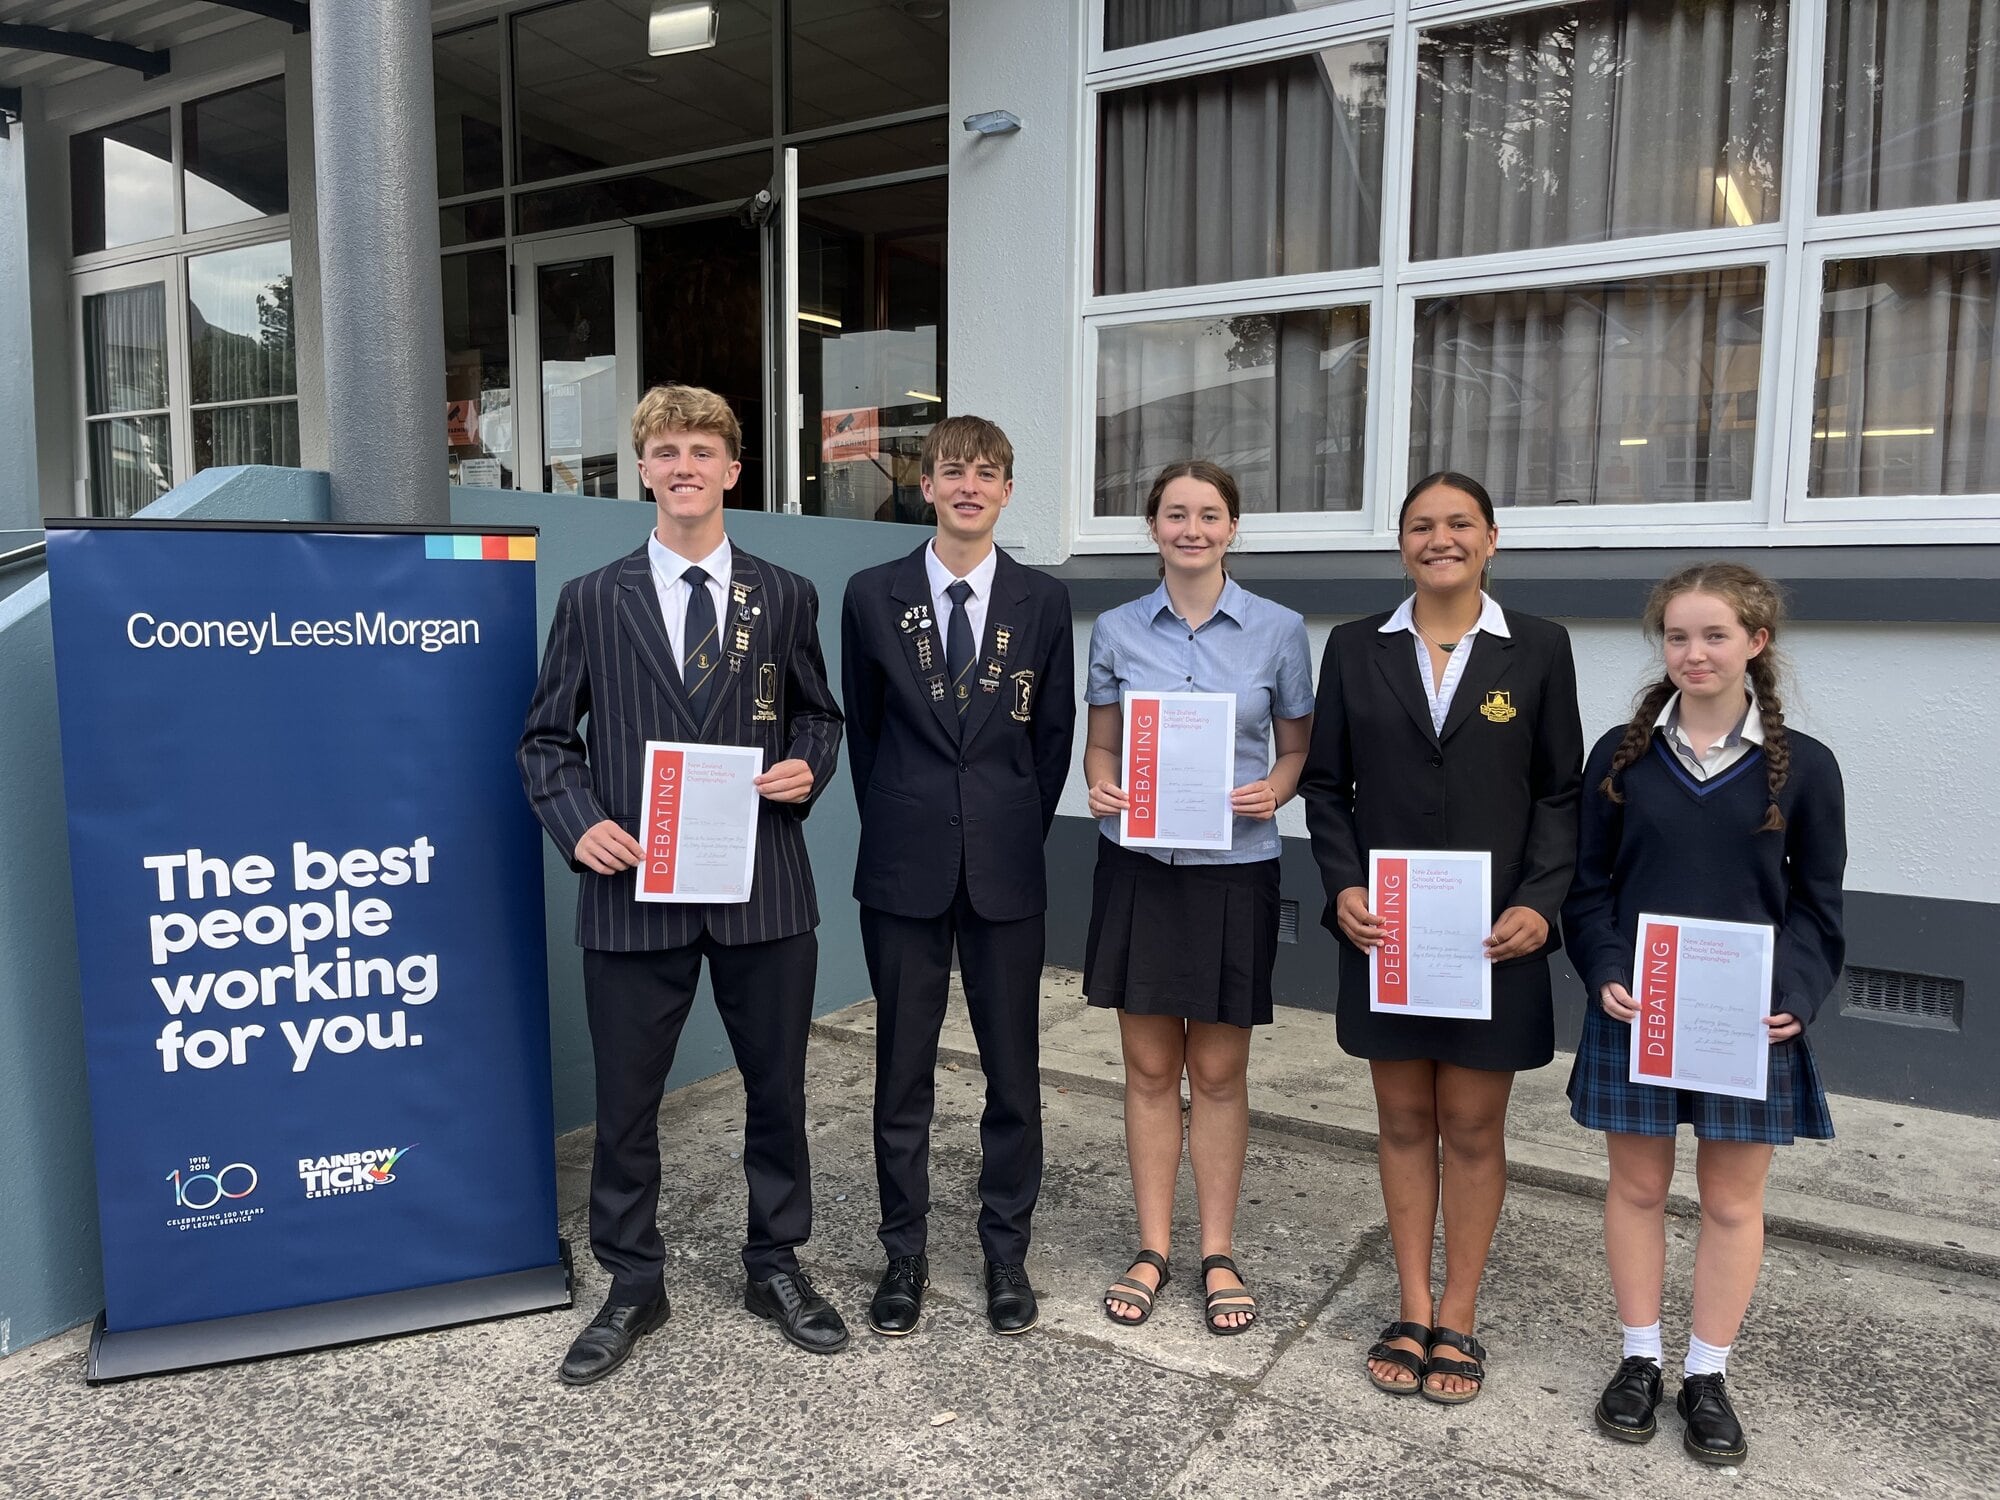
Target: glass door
x,y
576,326
134,437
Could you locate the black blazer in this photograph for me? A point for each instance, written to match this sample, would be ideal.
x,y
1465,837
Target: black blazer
x,y
609,667
1503,777
929,802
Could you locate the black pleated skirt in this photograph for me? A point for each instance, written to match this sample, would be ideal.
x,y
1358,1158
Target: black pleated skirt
x,y
1193,941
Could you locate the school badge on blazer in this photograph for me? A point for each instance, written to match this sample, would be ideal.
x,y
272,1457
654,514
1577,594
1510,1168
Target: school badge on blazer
x,y
1024,694
766,701
1499,706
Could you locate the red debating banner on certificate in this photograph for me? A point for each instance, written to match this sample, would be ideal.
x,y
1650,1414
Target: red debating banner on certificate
x,y
1658,984
1142,770
1391,904
664,770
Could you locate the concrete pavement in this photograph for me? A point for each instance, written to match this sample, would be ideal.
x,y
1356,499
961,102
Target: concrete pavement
x,y
1858,1374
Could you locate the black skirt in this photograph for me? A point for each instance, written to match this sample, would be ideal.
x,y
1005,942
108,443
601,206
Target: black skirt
x,y
1193,941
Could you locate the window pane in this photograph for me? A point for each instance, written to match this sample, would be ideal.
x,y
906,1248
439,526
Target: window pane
x,y
131,464
1593,122
1280,399
1906,403
585,428
478,393
264,434
1912,114
727,180
466,69
121,184
125,350
587,95
1127,23
701,322
1270,170
240,324
871,348
855,59
233,146
464,223
1623,392
873,153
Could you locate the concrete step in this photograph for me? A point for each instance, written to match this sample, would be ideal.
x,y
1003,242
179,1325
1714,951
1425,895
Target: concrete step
x,y
1911,1183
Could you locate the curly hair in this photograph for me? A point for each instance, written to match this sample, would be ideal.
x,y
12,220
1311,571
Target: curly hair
x,y
1758,606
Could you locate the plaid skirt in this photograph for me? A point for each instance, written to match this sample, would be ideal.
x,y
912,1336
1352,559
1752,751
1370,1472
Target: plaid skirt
x,y
1602,1097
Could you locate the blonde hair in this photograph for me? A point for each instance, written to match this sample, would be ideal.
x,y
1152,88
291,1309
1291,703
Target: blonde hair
x,y
966,440
685,408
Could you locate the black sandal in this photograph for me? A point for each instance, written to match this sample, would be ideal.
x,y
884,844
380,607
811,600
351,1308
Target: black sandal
x,y
1137,1293
1472,1369
1228,1299
1401,1358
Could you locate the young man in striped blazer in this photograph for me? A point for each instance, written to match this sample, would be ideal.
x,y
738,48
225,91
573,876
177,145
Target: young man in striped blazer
x,y
688,639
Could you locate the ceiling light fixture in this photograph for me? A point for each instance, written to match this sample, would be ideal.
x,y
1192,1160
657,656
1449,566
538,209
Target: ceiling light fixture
x,y
678,27
924,396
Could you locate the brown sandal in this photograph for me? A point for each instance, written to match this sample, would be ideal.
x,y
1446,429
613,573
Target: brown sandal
x,y
1135,1293
1226,1300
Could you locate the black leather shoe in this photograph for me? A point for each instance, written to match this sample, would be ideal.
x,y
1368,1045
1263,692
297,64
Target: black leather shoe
x,y
899,1301
1713,1434
1010,1301
1625,1410
802,1314
604,1345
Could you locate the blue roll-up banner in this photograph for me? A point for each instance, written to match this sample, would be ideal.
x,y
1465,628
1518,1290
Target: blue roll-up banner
x,y
309,919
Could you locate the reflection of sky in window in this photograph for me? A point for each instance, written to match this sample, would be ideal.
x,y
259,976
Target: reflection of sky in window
x,y
138,195
209,205
223,288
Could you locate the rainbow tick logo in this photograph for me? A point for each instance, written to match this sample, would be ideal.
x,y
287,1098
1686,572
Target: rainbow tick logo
x,y
351,1171
382,1171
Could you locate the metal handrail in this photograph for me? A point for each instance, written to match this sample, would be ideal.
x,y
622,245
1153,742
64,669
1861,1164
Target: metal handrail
x,y
23,554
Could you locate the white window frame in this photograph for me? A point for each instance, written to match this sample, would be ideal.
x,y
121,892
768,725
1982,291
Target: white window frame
x,y
1792,252
167,270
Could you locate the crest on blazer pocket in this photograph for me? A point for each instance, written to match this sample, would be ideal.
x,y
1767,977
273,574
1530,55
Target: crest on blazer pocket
x,y
1498,706
764,709
1024,696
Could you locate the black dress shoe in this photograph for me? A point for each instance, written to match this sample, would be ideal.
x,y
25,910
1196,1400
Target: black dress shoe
x,y
1625,1410
1713,1434
802,1314
899,1301
1010,1301
604,1345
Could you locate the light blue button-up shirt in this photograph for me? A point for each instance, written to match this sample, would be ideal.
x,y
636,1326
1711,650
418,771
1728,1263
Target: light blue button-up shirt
x,y
1250,647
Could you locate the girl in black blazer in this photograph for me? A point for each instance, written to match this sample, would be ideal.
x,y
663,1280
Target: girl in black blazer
x,y
1447,724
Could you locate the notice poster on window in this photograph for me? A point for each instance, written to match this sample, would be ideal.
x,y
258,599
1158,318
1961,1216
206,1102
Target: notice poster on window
x,y
699,829
1436,910
1703,990
1179,768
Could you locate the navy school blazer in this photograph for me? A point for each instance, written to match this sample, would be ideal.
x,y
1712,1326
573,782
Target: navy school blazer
x,y
933,803
609,684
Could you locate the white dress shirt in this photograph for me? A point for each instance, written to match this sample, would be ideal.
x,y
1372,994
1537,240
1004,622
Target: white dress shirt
x,y
668,566
942,578
1725,752
1490,620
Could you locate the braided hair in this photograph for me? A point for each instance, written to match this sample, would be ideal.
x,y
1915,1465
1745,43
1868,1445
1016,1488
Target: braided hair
x,y
1758,606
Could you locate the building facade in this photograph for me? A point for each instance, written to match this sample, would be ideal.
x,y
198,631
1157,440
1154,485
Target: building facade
x,y
1675,278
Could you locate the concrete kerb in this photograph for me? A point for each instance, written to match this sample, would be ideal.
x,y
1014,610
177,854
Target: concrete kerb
x,y
1828,1221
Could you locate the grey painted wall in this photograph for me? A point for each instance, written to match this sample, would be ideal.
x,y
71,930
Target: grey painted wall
x,y
579,534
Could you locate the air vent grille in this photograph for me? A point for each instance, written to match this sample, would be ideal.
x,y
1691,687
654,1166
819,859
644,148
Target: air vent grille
x,y
1288,921
1906,999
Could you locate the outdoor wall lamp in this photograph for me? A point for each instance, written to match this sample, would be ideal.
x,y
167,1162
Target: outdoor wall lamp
x,y
993,122
678,27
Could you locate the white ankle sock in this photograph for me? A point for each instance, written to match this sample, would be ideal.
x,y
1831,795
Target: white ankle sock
x,y
1706,1359
1644,1341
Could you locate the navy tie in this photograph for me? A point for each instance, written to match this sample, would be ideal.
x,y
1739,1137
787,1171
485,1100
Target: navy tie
x,y
702,653
958,648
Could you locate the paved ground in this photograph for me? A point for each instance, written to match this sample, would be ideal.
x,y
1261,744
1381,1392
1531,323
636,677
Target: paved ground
x,y
1858,1376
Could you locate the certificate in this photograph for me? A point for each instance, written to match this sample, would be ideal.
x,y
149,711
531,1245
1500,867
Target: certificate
x,y
1180,767
1436,911
699,830
1704,989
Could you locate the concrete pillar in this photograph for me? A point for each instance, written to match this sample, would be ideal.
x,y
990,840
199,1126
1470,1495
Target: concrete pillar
x,y
381,301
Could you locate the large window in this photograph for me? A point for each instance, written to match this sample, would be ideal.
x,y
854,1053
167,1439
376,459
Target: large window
x,y
183,295
1637,264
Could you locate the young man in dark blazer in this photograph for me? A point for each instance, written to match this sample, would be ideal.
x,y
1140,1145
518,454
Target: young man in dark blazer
x,y
692,640
956,671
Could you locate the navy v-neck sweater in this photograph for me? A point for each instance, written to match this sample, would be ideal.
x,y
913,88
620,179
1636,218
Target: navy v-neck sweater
x,y
1686,848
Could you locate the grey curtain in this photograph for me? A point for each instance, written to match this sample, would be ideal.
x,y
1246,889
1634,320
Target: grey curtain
x,y
1912,110
1130,22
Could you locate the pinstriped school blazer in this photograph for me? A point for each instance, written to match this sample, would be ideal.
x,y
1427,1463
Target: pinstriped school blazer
x,y
609,683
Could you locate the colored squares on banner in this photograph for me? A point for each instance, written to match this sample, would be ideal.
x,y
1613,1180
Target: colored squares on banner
x,y
480,548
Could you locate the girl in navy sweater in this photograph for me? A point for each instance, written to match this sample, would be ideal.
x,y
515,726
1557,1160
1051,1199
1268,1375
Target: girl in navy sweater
x,y
1705,805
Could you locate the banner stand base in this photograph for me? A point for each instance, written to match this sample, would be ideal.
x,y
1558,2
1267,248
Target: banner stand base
x,y
292,1330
